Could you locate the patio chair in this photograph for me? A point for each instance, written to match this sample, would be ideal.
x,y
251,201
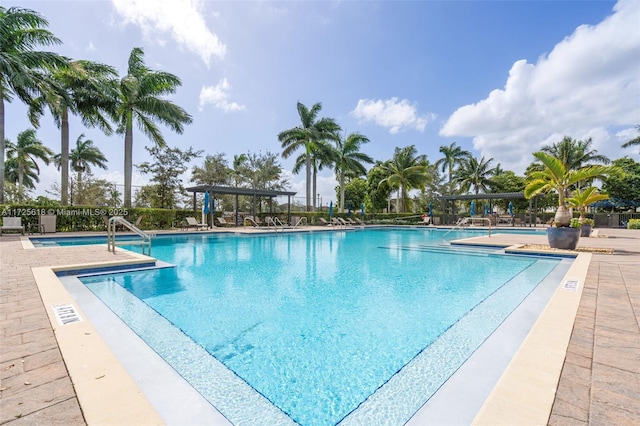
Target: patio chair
x,y
47,224
358,221
193,223
11,224
323,221
223,222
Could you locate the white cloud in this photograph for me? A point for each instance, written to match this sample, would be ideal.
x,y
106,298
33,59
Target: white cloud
x,y
396,115
218,95
90,47
182,20
586,86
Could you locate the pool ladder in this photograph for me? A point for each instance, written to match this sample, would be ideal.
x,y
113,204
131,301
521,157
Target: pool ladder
x,y
145,243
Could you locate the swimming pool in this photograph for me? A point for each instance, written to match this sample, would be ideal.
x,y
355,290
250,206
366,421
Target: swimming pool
x,y
320,324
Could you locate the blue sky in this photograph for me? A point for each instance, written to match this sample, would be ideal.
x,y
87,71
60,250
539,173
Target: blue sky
x,y
499,78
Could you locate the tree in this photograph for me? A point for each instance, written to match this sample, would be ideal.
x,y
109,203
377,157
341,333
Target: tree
x,y
141,99
406,171
214,171
626,187
581,199
82,157
453,156
476,174
165,172
508,181
306,136
575,154
378,192
85,89
349,160
634,141
557,177
29,177
21,66
26,151
354,193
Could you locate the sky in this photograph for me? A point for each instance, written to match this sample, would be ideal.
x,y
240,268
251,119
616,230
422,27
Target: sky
x,y
499,78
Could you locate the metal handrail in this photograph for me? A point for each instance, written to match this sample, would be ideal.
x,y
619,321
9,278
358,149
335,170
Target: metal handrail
x,y
468,220
111,234
302,219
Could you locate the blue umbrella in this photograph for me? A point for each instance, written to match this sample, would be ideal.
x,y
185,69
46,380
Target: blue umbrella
x,y
362,210
330,209
473,208
206,202
430,210
349,209
510,208
486,209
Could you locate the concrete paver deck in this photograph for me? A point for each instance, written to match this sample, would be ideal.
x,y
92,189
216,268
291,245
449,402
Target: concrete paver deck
x,y
599,383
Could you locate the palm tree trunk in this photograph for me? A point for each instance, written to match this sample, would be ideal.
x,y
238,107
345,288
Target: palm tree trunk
x,y
313,193
128,160
308,165
2,147
20,175
341,191
64,158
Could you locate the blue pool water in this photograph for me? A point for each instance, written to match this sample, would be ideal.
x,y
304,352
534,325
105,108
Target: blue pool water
x,y
318,322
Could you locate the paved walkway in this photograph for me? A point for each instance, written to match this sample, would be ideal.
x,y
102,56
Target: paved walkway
x,y
599,385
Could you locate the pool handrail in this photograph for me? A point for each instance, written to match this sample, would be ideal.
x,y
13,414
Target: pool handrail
x,y
111,234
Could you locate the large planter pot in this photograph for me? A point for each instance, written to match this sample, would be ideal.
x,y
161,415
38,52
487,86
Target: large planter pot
x,y
563,238
585,230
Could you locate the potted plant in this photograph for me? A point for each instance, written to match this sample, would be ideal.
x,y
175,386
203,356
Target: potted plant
x,y
580,200
557,177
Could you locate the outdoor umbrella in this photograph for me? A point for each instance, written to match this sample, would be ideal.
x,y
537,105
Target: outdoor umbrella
x,y
349,209
473,208
362,210
206,202
486,209
430,210
330,209
510,208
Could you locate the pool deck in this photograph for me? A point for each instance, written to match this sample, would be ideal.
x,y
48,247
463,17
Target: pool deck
x,y
599,381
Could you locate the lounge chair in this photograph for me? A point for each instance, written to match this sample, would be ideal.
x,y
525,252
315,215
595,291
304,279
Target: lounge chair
x,y
250,220
11,224
193,223
350,221
323,221
358,221
223,222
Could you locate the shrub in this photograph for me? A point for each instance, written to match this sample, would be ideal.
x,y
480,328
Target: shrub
x,y
633,224
587,221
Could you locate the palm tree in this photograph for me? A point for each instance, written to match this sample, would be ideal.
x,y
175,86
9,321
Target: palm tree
x,y
85,89
29,177
307,135
582,199
475,174
82,157
140,98
349,160
557,177
322,155
634,141
575,154
453,156
26,151
406,171
21,67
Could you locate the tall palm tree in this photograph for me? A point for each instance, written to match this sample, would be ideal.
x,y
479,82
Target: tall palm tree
x,y
453,156
140,98
85,89
82,157
475,174
21,66
307,135
29,177
27,149
349,160
406,171
634,141
574,153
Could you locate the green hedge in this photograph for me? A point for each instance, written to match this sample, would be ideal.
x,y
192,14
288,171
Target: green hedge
x,y
633,224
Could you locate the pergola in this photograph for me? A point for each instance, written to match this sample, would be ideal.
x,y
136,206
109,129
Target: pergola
x,y
533,202
250,192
